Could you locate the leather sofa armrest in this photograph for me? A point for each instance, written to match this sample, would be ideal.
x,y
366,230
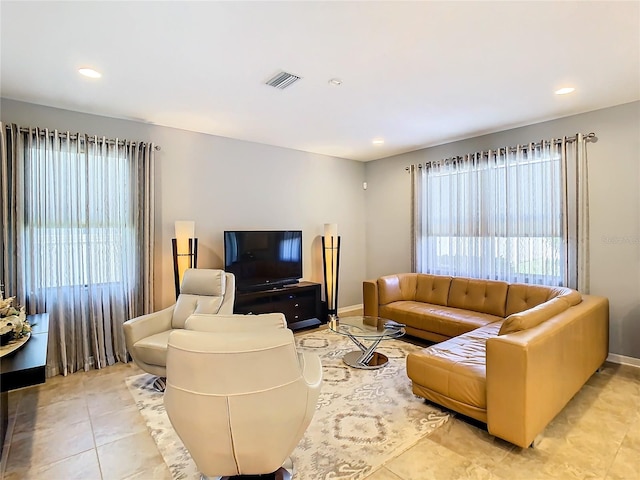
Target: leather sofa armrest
x,y
532,374
147,325
370,297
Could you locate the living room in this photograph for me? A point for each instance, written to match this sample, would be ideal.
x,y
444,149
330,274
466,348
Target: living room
x,y
224,182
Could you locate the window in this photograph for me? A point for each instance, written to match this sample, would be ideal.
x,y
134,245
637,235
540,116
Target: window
x,y
78,212
78,238
495,215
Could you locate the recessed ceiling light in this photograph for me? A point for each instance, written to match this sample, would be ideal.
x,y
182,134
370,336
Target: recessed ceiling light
x,y
378,141
564,91
335,82
89,72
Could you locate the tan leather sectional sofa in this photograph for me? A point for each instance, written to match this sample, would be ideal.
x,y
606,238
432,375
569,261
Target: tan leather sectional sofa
x,y
509,355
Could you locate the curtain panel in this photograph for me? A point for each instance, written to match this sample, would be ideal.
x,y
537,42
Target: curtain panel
x,y
518,214
576,212
77,239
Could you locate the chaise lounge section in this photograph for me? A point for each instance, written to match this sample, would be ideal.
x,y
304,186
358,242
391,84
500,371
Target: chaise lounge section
x,y
508,355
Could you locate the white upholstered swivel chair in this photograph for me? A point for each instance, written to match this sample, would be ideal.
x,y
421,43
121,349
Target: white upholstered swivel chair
x,y
240,401
206,291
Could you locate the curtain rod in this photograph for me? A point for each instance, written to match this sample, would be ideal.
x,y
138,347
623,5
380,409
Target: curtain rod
x,y
558,141
74,136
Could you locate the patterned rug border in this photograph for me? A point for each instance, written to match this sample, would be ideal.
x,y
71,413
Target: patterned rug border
x,y
398,421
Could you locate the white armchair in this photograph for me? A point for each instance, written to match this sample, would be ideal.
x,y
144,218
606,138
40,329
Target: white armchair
x,y
203,291
240,399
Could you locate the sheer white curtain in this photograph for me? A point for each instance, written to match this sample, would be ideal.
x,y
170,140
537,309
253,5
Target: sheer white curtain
x,y
78,242
501,214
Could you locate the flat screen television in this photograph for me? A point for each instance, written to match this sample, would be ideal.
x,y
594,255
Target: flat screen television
x,y
263,259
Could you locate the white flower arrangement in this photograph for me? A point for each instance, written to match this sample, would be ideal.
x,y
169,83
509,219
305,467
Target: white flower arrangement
x,y
13,320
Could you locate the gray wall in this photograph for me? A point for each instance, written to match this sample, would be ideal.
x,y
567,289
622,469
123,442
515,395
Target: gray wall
x,y
226,184
229,184
614,178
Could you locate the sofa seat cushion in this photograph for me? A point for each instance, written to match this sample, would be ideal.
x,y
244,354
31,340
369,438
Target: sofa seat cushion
x,y
446,321
456,368
153,349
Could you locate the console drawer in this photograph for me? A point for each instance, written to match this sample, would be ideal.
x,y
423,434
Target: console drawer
x,y
300,304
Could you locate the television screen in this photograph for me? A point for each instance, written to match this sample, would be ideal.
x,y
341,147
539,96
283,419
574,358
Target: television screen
x,y
263,259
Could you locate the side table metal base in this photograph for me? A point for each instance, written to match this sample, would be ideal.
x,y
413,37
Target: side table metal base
x,y
376,360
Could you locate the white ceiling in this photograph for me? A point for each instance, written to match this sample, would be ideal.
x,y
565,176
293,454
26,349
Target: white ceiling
x,y
414,73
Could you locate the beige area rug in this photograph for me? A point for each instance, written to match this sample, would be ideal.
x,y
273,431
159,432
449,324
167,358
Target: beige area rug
x,y
364,418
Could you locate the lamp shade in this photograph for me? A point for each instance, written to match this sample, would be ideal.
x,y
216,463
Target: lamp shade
x,y
185,250
185,229
331,230
331,259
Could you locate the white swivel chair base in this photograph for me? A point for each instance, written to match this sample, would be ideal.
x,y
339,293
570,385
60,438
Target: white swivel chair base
x,y
159,384
283,473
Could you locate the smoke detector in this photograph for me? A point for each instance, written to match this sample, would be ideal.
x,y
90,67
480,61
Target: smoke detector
x,y
282,80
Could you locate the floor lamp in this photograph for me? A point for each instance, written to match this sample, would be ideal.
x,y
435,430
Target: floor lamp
x,y
185,251
331,261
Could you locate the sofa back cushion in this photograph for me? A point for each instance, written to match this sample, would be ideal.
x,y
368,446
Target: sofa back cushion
x,y
484,296
533,316
433,289
523,296
395,288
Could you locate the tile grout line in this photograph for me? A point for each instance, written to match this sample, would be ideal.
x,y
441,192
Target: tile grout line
x,y
613,458
93,433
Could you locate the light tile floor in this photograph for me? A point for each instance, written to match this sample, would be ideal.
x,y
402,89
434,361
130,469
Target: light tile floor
x,y
86,426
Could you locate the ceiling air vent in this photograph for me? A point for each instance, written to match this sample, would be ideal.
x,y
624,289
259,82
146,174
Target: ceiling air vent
x,y
282,80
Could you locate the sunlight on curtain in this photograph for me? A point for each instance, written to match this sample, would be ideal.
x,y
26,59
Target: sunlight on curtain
x,y
495,215
85,225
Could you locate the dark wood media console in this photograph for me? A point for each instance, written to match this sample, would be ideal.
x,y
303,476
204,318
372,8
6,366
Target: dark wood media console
x,y
300,303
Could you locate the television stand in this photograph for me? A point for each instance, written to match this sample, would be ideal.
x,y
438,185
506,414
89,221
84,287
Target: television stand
x,y
299,302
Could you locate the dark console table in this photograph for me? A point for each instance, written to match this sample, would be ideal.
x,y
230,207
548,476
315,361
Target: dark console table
x,y
24,367
300,303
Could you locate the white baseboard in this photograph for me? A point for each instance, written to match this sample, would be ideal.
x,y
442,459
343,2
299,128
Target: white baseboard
x,y
350,309
623,360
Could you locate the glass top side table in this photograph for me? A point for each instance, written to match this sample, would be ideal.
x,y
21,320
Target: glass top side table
x,y
366,329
